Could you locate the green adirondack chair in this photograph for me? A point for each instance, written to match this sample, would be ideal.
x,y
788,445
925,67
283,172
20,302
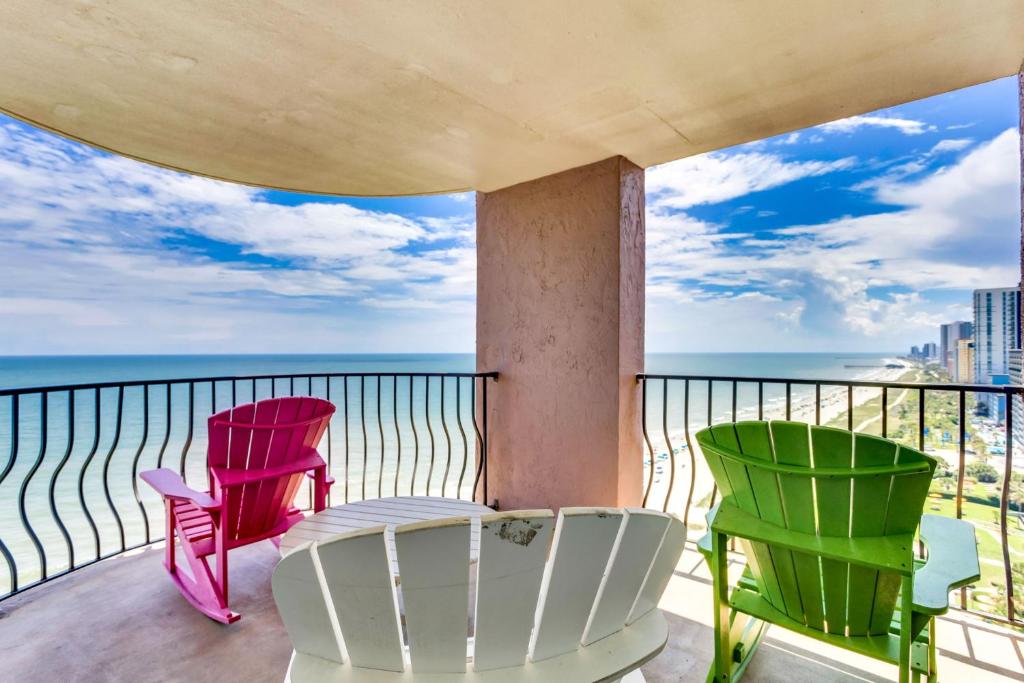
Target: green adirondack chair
x,y
826,519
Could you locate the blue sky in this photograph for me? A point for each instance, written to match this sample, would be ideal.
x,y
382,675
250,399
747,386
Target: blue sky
x,y
860,235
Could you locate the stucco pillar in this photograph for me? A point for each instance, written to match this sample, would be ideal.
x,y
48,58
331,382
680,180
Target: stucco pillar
x,y
560,314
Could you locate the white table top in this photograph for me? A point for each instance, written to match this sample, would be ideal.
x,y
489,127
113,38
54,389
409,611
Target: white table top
x,y
391,512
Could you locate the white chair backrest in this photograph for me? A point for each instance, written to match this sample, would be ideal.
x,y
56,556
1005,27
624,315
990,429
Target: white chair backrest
x,y
541,589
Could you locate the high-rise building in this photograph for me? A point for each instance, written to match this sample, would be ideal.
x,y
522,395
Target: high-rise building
x,y
949,335
915,352
930,351
964,368
996,331
1017,402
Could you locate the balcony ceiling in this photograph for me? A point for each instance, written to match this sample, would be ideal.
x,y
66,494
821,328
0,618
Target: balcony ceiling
x,y
369,98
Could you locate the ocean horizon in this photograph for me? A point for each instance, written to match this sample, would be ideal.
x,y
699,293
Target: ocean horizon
x,y
50,370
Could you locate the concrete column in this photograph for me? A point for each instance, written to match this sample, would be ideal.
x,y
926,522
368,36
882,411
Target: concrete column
x,y
560,314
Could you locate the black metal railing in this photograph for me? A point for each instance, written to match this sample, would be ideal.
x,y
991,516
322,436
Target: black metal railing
x,y
674,407
69,493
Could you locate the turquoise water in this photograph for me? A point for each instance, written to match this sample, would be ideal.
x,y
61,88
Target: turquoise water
x,y
423,441
24,371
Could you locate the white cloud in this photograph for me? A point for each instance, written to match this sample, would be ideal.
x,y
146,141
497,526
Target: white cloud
x,y
718,177
951,145
849,125
854,282
94,242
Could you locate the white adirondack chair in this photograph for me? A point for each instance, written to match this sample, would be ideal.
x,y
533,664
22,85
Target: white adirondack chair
x,y
585,611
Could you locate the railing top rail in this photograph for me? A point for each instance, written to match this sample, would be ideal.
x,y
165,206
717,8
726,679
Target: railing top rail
x,y
929,386
17,391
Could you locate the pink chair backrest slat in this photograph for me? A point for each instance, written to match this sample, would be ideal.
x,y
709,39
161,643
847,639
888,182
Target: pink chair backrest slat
x,y
288,444
274,440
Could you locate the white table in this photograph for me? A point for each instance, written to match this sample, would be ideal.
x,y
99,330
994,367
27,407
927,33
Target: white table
x,y
391,512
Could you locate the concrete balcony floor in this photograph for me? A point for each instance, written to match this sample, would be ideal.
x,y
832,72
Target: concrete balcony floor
x,y
122,620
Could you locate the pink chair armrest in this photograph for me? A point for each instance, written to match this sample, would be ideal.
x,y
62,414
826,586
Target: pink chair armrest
x,y
328,479
169,484
227,477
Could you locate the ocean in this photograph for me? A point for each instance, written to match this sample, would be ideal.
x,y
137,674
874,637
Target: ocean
x,y
401,436
31,371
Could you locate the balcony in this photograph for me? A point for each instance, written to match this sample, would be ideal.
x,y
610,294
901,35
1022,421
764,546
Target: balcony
x,y
551,114
146,627
394,433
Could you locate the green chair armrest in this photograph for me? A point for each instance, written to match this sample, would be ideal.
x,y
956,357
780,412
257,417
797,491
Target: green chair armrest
x,y
952,562
704,544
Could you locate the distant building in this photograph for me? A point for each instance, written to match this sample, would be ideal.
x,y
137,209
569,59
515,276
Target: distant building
x,y
996,331
995,404
930,351
915,352
964,365
949,335
1016,377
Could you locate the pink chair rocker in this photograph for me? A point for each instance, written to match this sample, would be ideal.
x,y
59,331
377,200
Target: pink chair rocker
x,y
257,457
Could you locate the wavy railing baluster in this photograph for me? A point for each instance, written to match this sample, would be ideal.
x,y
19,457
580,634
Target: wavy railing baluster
x,y
12,566
380,430
191,427
668,444
362,419
479,440
447,440
167,431
56,473
484,452
962,453
135,460
647,440
689,448
327,396
430,430
398,433
106,466
1004,504
415,438
462,432
43,413
97,412
346,438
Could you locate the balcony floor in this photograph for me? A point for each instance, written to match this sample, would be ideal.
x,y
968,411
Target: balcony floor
x,y
122,620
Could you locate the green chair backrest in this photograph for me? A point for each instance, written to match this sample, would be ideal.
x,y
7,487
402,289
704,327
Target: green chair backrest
x,y
825,482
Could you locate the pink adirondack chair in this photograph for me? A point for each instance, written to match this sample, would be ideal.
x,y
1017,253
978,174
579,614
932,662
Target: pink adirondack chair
x,y
257,458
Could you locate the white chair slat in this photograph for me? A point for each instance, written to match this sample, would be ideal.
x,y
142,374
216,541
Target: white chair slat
x,y
300,599
513,553
584,538
357,573
638,542
664,564
434,560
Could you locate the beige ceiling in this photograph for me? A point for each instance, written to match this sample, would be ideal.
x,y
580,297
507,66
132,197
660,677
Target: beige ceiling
x,y
371,97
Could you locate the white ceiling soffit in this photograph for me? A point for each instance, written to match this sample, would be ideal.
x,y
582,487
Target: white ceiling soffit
x,y
369,97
